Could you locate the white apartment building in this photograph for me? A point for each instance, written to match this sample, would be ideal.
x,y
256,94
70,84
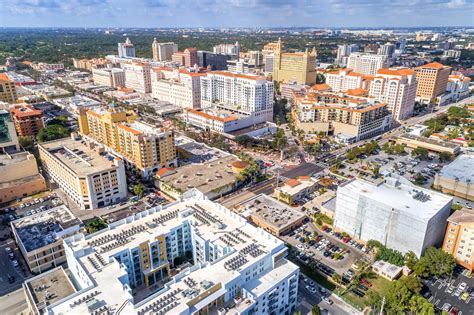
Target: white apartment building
x,y
343,53
458,86
163,51
113,77
396,88
387,49
394,212
235,267
367,63
137,76
177,86
227,49
126,50
346,79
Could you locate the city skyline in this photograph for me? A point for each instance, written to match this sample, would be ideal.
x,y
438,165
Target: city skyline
x,y
236,13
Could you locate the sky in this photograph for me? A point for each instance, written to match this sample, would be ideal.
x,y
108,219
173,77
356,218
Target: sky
x,y
236,13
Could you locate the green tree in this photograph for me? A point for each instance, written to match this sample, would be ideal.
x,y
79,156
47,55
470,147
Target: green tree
x,y
52,132
26,142
411,259
445,156
421,153
139,190
419,305
316,310
435,262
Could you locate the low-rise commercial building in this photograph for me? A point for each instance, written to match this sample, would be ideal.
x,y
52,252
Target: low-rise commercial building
x,y
27,119
295,189
271,215
20,176
113,77
40,237
214,179
457,178
459,238
232,264
434,145
355,117
84,172
387,270
394,212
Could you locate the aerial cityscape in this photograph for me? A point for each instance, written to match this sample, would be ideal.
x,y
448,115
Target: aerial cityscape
x,y
236,157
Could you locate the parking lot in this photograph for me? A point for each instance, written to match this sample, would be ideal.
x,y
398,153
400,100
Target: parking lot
x,y
453,294
12,274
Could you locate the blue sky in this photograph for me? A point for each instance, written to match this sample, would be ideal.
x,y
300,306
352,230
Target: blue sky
x,y
235,13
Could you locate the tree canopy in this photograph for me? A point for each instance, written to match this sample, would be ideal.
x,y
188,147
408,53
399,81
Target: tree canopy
x,y
52,132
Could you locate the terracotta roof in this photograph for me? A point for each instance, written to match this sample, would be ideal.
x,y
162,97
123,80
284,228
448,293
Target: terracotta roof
x,y
435,65
293,182
399,72
4,77
320,87
304,178
127,128
357,92
163,171
26,112
240,164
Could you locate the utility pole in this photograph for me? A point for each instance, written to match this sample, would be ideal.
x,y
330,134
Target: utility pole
x,y
382,306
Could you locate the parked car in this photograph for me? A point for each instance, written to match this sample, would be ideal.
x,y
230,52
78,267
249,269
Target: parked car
x,y
15,263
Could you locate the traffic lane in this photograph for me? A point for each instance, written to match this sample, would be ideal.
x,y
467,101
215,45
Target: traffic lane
x,y
305,169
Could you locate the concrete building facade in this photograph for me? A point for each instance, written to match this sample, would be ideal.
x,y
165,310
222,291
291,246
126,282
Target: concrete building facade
x,y
299,67
367,63
7,89
113,77
138,77
432,81
459,238
27,119
163,51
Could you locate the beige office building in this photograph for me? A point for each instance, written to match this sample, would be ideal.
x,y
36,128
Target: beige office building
x,y
459,238
7,89
163,51
113,77
84,173
457,177
430,144
299,67
137,76
432,81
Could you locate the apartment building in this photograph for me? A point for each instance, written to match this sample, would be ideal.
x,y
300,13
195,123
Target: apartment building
x,y
20,176
187,58
299,67
126,49
27,119
459,238
396,88
40,237
345,79
177,86
458,87
7,89
343,53
233,264
143,147
8,136
137,76
367,63
113,77
227,49
432,81
94,63
84,172
163,51
394,212
337,114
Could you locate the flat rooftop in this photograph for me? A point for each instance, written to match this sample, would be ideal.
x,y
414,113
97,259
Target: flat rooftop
x,y
294,186
44,228
198,152
462,168
463,215
12,159
432,141
80,156
205,177
210,221
49,288
398,193
271,211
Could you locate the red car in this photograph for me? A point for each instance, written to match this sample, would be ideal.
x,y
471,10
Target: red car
x,y
454,311
366,283
346,239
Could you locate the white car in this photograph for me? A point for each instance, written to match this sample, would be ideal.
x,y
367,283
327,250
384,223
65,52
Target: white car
x,y
327,300
462,286
15,263
8,250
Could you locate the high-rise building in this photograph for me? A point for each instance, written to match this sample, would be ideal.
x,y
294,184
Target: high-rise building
x,y
346,117
299,67
394,212
346,79
343,53
234,267
402,45
163,51
367,63
137,76
7,89
179,87
186,58
387,49
459,238
27,119
143,147
227,49
396,88
214,61
8,136
113,77
432,81
84,174
126,50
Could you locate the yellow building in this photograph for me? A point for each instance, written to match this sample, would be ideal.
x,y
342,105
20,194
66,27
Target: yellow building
x,y
459,238
299,67
144,148
7,89
432,81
